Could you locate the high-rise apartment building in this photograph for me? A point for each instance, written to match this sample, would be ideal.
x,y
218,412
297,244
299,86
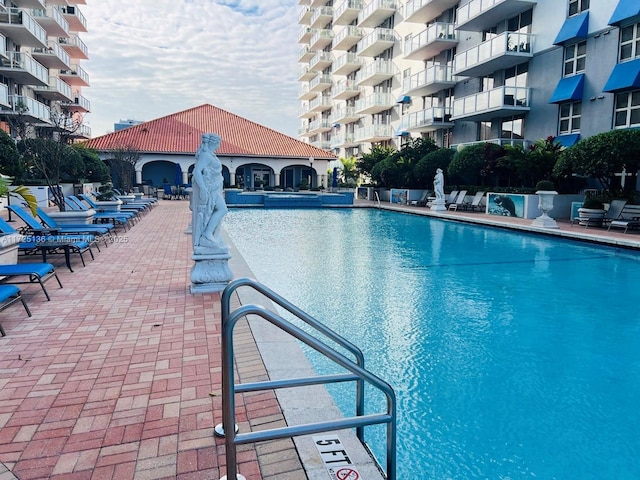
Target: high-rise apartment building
x,y
41,79
460,72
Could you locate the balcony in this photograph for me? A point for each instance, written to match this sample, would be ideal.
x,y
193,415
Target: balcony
x,y
305,15
429,81
424,11
306,54
304,131
497,141
321,39
81,131
503,51
73,15
346,64
4,96
347,38
375,73
479,15
346,12
29,109
306,74
21,27
376,42
344,140
321,17
317,3
437,38
320,61
346,89
304,112
322,144
306,94
321,83
376,103
52,21
37,4
52,57
56,90
345,114
428,120
75,47
305,34
373,133
75,76
321,103
22,68
320,126
499,102
79,104
376,12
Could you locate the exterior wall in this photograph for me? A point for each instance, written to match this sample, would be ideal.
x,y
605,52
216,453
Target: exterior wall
x,y
545,70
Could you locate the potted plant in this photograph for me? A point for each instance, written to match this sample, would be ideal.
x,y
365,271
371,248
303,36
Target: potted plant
x,y
592,212
9,241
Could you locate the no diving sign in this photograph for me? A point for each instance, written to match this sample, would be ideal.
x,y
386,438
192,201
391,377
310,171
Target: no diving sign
x,y
335,458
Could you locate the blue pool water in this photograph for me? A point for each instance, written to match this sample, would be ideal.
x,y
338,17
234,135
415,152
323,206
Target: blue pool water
x,y
512,356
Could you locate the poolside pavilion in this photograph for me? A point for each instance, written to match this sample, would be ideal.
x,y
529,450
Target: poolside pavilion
x,y
252,155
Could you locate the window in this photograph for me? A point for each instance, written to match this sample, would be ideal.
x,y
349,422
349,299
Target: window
x,y
575,58
578,6
512,128
516,76
570,114
627,112
629,42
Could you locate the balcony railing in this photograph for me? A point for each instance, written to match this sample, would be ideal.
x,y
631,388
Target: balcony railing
x,y
55,90
305,34
321,38
376,72
305,15
502,51
378,102
322,144
345,114
321,17
77,22
319,126
376,12
22,28
497,141
53,56
344,140
479,15
429,81
22,67
321,83
346,89
52,21
424,11
28,107
373,133
75,47
75,76
347,38
320,61
79,104
430,42
345,64
306,74
499,102
429,119
4,95
320,103
306,94
306,54
376,42
346,12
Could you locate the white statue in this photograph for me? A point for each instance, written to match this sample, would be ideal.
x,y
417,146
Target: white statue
x,y
438,184
208,205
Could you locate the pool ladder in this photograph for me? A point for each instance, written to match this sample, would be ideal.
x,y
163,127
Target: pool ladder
x,y
356,368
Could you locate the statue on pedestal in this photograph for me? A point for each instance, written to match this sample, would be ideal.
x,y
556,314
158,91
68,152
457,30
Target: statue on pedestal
x,y
438,188
210,272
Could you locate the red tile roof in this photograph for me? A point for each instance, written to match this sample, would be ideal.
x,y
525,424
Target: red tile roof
x,y
180,133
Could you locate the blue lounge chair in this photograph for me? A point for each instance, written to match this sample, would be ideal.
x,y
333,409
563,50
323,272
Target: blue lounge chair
x,y
35,272
10,294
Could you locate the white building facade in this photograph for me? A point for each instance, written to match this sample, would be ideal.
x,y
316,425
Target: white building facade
x,y
41,53
461,72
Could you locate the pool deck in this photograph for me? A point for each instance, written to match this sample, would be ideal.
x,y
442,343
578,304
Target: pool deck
x,y
118,376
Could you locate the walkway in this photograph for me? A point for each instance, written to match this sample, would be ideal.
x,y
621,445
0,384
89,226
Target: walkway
x,y
118,376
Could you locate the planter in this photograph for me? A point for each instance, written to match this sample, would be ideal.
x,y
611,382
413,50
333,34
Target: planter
x,y
591,216
127,198
74,217
9,248
545,205
109,205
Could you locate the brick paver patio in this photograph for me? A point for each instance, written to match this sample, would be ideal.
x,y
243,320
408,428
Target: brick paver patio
x,y
118,376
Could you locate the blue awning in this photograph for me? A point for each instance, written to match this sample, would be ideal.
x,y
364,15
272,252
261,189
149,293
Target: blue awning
x,y
402,133
404,99
574,28
626,9
568,140
568,89
624,76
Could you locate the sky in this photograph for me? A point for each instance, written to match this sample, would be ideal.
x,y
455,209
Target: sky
x,y
151,58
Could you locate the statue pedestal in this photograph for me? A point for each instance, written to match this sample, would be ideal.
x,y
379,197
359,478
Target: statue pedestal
x,y
438,205
211,272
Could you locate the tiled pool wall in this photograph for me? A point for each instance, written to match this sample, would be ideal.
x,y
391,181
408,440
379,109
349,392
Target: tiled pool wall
x,y
239,198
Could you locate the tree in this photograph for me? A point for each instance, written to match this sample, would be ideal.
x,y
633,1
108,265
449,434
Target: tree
x,y
349,171
368,161
426,168
602,156
122,163
11,163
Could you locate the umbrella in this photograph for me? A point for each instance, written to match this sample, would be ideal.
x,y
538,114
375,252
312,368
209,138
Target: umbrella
x,y
334,178
178,178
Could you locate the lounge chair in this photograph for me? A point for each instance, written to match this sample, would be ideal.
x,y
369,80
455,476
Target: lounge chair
x,y
10,294
46,243
614,213
459,201
35,272
423,199
452,197
475,203
629,219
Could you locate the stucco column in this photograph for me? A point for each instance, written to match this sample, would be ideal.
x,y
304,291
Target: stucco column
x,y
139,177
276,180
185,177
232,177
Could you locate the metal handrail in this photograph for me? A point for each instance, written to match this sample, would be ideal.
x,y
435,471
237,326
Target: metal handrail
x,y
358,374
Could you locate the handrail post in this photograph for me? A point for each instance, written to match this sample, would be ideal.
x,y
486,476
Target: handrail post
x,y
228,395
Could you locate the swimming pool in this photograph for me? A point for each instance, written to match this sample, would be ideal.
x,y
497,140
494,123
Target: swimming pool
x,y
512,355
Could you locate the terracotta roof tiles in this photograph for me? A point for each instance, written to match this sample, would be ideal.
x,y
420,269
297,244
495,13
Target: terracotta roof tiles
x,y
180,133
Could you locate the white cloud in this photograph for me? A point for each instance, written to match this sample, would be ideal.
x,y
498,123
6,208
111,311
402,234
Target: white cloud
x,y
151,58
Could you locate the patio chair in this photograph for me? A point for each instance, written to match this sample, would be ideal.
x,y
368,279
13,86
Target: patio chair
x,y
475,203
10,294
452,197
47,243
614,213
103,230
629,219
459,201
35,273
167,193
123,219
423,199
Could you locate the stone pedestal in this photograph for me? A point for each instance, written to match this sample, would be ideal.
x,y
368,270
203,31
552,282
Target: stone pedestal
x,y
210,272
438,205
545,205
